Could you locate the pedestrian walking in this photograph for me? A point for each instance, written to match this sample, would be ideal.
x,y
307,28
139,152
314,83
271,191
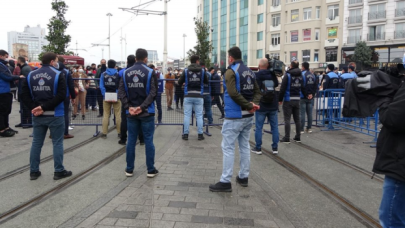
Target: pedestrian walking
x,y
242,94
70,94
158,100
307,102
169,86
44,92
100,70
267,82
137,90
194,77
109,82
81,87
292,86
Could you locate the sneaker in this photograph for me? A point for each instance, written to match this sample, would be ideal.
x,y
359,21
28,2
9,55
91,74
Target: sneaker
x,y
104,136
153,173
129,173
302,132
122,142
63,174
185,137
100,115
275,151
7,133
309,131
71,128
18,125
285,140
201,137
10,129
256,151
222,117
35,175
243,182
221,187
297,139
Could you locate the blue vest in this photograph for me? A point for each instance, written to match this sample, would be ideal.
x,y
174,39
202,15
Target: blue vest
x,y
4,85
334,80
207,87
245,80
293,91
194,82
160,83
43,85
111,82
137,80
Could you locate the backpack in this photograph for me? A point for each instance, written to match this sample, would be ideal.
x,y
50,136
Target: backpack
x,y
268,91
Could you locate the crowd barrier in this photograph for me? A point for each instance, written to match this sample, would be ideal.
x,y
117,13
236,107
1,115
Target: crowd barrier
x,y
329,106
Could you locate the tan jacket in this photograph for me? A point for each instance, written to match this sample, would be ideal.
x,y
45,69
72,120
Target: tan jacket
x,y
170,84
84,82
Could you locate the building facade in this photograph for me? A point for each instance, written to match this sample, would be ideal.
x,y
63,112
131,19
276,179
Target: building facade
x,y
152,57
381,23
303,30
34,37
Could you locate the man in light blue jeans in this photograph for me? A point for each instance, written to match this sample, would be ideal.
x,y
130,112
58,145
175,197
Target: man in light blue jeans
x,y
241,96
273,119
189,104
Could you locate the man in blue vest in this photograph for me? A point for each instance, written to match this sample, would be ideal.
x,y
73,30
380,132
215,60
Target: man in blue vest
x,y
352,72
6,98
44,92
160,79
194,77
346,76
242,94
109,81
137,90
216,91
70,94
331,80
292,86
307,103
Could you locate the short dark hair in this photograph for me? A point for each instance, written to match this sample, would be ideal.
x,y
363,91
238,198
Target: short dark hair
x,y
3,52
141,54
93,64
294,64
61,59
194,58
111,63
211,68
151,66
235,52
305,65
21,59
48,57
351,67
131,59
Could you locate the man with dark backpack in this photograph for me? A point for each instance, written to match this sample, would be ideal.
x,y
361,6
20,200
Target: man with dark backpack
x,y
267,82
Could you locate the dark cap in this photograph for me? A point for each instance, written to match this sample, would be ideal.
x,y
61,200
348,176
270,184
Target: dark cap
x,y
351,68
345,68
331,67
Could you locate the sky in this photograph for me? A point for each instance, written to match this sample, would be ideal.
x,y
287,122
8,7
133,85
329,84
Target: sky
x,y
89,24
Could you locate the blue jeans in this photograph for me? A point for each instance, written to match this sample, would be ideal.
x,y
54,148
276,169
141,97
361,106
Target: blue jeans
x,y
207,108
147,124
197,104
392,209
260,118
57,127
232,130
306,107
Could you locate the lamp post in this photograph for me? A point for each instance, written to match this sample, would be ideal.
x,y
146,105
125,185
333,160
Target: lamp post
x,y
184,48
109,15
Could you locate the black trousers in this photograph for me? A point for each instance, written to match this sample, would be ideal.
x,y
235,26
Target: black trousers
x,y
6,101
292,108
124,127
66,104
100,101
159,106
25,114
217,102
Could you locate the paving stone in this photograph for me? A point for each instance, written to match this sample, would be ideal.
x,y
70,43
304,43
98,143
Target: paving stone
x,y
265,223
186,193
142,208
166,210
198,189
254,215
159,203
192,211
143,215
238,208
197,199
163,192
181,204
177,217
157,216
238,222
172,198
192,184
176,188
190,225
218,213
132,222
207,219
179,162
123,214
108,221
210,206
162,224
159,182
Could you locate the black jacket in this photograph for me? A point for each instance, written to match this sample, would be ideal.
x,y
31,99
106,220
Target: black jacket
x,y
390,159
262,75
68,77
289,92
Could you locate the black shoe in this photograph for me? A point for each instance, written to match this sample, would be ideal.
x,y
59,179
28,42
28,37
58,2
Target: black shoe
x,y
119,135
83,117
7,133
100,115
275,151
243,182
185,137
141,143
285,140
122,142
35,175
221,187
129,173
222,117
104,136
18,125
297,139
73,117
10,129
25,127
63,174
177,108
152,174
201,137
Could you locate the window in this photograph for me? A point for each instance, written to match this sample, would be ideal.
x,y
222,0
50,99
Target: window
x,y
293,56
295,15
307,13
376,12
354,36
275,20
294,36
275,55
275,39
260,36
259,2
400,31
333,12
317,34
260,18
307,34
355,16
400,9
318,12
306,55
331,55
275,3
259,54
316,56
376,33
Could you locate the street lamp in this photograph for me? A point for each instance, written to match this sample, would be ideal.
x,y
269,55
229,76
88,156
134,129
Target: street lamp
x,y
109,15
184,48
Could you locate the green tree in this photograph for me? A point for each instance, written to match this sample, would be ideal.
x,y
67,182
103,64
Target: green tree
x,y
58,40
204,46
362,54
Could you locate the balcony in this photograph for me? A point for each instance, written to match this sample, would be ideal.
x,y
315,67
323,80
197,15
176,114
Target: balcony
x,y
376,15
376,37
355,20
400,12
352,2
353,39
399,34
